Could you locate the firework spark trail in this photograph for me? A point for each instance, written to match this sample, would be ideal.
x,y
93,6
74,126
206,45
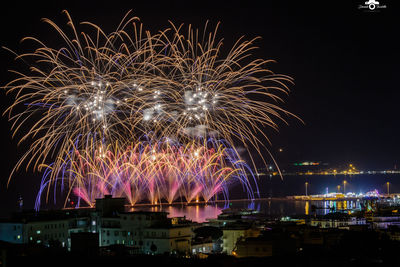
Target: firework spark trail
x,y
151,172
85,93
100,91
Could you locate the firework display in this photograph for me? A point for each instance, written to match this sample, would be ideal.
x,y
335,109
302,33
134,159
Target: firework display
x,y
150,117
163,171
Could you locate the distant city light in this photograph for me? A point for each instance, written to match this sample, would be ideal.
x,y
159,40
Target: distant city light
x,y
306,163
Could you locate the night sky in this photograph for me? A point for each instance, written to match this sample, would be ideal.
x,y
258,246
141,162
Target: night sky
x,y
344,62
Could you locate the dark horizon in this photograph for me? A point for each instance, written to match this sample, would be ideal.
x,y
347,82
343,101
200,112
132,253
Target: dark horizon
x,y
343,61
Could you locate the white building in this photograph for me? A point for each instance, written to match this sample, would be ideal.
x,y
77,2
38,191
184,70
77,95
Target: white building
x,y
143,231
342,223
167,239
383,222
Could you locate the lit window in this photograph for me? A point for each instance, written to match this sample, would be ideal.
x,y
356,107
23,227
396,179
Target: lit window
x,y
38,231
18,236
93,223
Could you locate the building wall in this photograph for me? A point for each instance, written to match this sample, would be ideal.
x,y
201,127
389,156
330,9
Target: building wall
x,y
13,233
136,230
128,228
324,223
168,240
231,236
45,232
202,248
384,225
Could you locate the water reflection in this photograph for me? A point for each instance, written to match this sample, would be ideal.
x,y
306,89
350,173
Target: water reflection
x,y
197,213
307,208
273,207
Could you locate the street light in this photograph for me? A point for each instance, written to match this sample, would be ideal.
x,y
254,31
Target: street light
x,y
388,184
344,186
338,188
306,187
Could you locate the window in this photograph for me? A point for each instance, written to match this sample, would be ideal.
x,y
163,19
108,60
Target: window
x,y
116,233
38,232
